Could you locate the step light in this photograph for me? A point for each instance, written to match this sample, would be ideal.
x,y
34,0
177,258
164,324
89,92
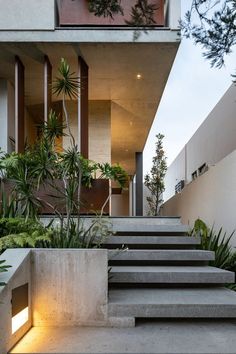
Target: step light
x,y
20,307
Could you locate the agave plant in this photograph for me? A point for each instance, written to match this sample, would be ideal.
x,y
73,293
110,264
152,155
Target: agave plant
x,y
218,242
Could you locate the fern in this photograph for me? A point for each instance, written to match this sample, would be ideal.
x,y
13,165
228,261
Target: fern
x,y
3,268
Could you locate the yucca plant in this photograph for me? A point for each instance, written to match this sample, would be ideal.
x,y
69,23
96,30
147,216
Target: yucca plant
x,y
67,85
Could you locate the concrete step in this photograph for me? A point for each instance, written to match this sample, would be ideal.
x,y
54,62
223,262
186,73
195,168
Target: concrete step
x,y
156,256
146,242
136,229
173,303
170,275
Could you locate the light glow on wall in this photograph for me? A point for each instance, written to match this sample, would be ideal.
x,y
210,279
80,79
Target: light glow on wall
x,y
20,319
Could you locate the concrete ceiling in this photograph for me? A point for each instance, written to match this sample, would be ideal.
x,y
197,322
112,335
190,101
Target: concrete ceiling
x,y
113,70
113,76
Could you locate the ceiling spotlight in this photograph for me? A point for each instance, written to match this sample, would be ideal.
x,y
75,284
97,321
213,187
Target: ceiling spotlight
x,y
139,76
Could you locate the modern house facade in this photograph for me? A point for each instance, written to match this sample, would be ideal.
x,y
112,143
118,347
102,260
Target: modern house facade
x,y
201,180
121,79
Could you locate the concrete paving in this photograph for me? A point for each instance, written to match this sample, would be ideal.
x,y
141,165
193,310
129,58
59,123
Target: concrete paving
x,y
173,303
158,337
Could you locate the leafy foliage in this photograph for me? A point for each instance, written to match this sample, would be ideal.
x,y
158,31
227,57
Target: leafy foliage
x,y
105,8
142,13
218,242
3,268
18,232
212,24
154,180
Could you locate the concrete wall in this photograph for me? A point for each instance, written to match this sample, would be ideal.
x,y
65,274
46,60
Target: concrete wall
x,y
27,15
120,204
211,197
66,288
214,140
69,287
100,131
18,274
7,114
72,109
174,14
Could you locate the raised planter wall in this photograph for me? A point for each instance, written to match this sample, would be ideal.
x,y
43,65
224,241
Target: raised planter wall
x,y
65,288
76,13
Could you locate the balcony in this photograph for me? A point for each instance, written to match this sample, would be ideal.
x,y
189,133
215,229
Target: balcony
x,y
75,13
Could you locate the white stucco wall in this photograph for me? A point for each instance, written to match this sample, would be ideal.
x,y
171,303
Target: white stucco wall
x,y
27,15
211,197
214,140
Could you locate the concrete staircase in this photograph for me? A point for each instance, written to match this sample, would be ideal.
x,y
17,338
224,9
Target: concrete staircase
x,y
162,274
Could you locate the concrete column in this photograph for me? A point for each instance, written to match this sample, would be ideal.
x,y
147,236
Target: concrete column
x,y
83,108
19,105
7,133
139,184
47,87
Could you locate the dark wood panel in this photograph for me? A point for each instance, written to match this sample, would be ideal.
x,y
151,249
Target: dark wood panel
x,y
19,105
83,107
47,87
139,184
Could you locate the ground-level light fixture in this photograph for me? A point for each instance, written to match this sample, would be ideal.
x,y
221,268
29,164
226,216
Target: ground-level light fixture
x,y
20,307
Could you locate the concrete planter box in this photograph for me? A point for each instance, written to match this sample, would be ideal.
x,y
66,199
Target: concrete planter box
x,y
65,288
76,13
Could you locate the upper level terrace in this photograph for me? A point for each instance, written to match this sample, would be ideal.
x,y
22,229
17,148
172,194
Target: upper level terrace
x,y
71,21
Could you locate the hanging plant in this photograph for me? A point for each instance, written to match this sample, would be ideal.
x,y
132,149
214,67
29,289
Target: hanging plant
x,y
105,8
142,13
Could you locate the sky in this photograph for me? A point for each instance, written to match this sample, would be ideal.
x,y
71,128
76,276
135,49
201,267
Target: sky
x,y
192,91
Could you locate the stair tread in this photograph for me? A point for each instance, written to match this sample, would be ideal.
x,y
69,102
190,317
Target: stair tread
x,y
135,239
167,255
172,303
169,269
160,275
172,296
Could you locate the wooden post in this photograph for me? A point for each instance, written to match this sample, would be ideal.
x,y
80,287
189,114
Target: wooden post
x,y
47,87
139,184
83,108
19,105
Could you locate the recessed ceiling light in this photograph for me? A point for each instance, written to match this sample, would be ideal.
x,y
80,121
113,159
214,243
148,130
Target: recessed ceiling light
x,y
139,76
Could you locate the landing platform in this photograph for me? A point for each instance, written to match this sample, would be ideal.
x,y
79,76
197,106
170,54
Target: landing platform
x,y
165,337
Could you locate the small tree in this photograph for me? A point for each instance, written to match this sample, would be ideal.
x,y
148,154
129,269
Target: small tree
x,y
154,180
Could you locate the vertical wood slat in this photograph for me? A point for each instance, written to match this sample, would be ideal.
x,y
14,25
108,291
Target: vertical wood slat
x,y
19,105
139,184
47,87
83,108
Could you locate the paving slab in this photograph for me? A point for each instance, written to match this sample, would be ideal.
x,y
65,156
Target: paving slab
x,y
166,337
173,303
